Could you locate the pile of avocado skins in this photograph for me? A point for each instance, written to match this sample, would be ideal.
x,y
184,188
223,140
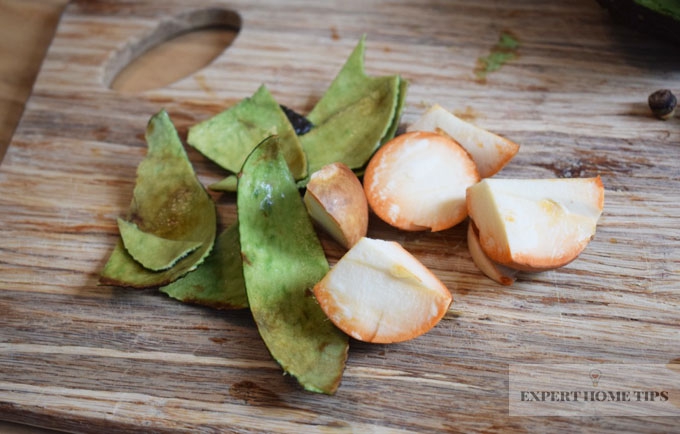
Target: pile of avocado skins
x,y
270,258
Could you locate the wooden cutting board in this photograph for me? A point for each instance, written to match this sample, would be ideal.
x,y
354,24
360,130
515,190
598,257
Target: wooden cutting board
x,y
81,357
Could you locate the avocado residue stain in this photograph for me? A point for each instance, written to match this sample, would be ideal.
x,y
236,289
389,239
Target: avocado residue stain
x,y
504,51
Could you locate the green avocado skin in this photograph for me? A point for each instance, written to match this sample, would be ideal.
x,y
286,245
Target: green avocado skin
x,y
282,261
169,202
218,281
660,18
666,7
356,115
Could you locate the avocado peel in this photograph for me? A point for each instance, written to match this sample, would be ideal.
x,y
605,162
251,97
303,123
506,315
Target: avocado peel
x,y
169,207
282,261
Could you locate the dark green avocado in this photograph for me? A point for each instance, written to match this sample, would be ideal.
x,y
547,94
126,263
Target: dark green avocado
x,y
657,17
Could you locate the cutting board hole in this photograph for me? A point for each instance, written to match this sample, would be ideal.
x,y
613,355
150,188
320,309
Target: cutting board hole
x,y
177,48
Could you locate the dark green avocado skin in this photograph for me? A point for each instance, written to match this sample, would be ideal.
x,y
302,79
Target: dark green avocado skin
x,y
645,19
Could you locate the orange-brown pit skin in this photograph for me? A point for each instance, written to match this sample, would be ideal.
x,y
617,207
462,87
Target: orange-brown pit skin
x,y
417,182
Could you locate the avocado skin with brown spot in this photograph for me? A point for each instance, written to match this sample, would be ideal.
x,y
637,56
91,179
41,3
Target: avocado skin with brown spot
x,y
168,201
282,260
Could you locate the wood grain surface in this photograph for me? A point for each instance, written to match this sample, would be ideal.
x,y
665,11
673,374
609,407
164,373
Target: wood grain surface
x,y
26,29
81,357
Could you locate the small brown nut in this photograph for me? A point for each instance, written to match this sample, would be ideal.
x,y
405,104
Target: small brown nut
x,y
662,102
